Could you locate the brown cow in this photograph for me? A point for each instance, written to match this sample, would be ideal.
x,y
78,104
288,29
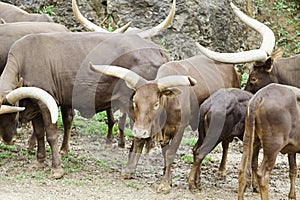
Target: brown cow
x,y
273,123
268,66
163,111
222,117
10,13
61,62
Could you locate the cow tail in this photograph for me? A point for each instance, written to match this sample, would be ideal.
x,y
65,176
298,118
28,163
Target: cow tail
x,y
249,136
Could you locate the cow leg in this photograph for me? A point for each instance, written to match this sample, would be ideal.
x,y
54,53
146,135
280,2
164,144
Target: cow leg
x,y
245,172
222,169
133,157
67,118
264,171
169,153
31,143
292,175
121,125
52,138
194,176
39,134
255,166
110,124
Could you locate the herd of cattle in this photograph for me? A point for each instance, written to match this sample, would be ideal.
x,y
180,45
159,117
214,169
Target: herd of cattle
x,y
44,66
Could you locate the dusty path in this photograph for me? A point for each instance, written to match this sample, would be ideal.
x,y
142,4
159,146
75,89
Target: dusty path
x,y
93,172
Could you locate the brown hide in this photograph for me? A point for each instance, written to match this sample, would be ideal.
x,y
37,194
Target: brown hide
x,y
285,71
64,71
274,123
168,121
11,32
222,117
10,13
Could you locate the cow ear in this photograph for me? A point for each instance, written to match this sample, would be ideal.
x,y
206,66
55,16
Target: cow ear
x,y
269,65
171,92
270,60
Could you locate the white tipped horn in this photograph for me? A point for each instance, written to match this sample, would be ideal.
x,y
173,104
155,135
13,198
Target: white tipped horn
x,y
163,25
84,21
267,34
174,81
5,109
234,58
90,25
132,79
256,55
34,93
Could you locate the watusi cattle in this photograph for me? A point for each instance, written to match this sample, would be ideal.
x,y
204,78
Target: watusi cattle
x,y
268,66
163,109
10,13
273,124
64,73
127,30
222,118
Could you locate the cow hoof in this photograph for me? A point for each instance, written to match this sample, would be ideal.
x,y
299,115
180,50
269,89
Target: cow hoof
x,y
164,188
126,176
194,188
221,174
63,152
38,165
121,145
57,173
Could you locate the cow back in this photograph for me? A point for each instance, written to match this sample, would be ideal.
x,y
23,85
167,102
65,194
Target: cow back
x,y
11,13
60,62
11,32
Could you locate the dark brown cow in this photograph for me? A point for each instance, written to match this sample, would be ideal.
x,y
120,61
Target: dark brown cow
x,y
10,13
273,123
268,66
274,70
162,110
222,117
58,64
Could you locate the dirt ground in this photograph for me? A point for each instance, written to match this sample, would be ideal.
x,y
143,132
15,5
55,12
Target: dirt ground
x,y
93,171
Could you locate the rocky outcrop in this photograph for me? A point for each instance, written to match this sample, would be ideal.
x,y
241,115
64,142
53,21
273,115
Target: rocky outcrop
x,y
209,22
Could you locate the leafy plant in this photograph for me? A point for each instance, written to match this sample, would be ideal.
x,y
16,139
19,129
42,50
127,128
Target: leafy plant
x,y
188,158
47,10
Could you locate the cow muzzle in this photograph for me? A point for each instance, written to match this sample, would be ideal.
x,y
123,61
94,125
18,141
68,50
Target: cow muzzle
x,y
9,141
140,132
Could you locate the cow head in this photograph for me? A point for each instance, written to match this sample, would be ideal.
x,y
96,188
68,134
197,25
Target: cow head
x,y
149,97
9,112
262,74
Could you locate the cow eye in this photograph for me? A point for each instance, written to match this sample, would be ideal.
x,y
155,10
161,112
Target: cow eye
x,y
156,106
253,79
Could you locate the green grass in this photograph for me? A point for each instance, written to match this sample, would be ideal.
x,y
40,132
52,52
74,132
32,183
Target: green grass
x,y
189,141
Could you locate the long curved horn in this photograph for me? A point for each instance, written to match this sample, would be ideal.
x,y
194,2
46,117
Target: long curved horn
x,y
260,54
4,109
90,25
35,93
174,81
163,25
132,79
